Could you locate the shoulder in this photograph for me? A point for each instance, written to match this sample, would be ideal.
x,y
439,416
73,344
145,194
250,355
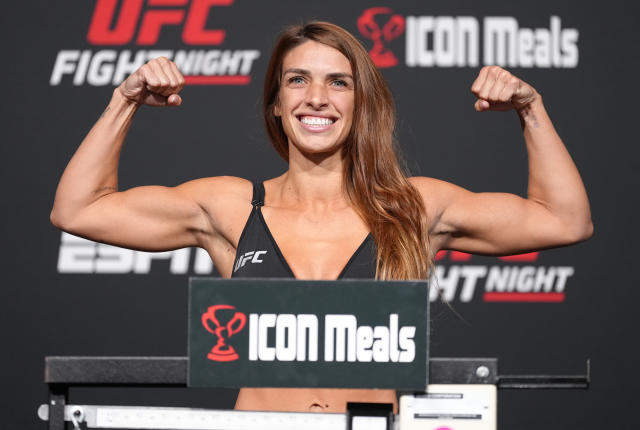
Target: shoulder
x,y
436,194
219,188
430,186
224,200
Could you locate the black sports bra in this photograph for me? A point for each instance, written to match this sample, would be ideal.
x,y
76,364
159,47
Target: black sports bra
x,y
258,254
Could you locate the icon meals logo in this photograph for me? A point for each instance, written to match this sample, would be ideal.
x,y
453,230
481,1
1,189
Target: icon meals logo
x,y
467,41
133,22
221,351
289,337
381,55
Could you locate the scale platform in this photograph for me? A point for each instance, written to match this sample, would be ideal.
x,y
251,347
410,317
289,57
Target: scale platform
x,y
461,396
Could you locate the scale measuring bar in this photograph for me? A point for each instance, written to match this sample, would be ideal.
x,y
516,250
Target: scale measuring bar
x,y
136,417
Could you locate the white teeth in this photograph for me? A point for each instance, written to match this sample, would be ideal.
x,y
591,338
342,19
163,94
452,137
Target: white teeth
x,y
315,120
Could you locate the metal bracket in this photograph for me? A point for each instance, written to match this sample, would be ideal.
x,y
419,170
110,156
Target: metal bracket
x,y
555,382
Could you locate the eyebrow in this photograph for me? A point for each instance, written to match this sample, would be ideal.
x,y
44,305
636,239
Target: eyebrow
x,y
305,72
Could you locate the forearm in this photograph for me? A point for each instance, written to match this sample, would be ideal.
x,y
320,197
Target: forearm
x,y
554,180
93,169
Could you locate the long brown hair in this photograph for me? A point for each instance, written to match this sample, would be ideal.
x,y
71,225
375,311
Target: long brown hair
x,y
374,181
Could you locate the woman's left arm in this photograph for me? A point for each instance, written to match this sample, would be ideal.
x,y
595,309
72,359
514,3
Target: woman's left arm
x,y
556,211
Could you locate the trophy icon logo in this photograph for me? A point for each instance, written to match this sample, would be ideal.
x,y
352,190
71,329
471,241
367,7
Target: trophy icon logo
x,y
222,351
393,28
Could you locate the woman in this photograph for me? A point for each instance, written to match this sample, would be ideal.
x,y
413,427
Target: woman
x,y
343,208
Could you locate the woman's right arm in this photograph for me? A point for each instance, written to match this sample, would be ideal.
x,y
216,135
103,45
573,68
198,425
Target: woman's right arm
x,y
153,218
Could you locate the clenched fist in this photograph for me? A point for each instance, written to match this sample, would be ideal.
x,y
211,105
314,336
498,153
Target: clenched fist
x,y
497,89
157,83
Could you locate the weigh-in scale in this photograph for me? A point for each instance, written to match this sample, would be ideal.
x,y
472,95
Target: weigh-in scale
x,y
233,320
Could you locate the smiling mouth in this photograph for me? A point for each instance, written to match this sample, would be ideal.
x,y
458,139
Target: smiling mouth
x,y
316,122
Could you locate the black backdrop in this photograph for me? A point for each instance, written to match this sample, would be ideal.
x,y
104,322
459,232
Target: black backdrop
x,y
218,131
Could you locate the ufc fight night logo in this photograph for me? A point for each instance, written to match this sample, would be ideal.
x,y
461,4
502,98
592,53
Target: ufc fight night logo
x,y
518,281
467,41
116,23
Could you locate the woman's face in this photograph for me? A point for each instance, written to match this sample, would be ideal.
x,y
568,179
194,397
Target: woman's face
x,y
316,98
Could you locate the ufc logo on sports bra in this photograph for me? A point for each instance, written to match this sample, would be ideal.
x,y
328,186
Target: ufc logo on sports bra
x,y
248,257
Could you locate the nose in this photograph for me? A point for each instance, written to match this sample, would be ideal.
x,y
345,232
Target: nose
x,y
317,96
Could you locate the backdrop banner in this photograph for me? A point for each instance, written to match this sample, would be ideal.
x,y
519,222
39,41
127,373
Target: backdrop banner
x,y
542,312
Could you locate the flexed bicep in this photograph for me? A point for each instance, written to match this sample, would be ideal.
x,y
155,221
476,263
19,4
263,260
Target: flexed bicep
x,y
150,218
490,223
556,209
153,218
157,218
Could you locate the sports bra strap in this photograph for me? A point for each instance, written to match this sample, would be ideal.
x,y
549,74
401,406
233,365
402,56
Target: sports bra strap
x,y
258,195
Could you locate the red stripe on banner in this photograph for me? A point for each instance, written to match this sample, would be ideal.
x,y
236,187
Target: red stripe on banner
x,y
530,256
217,80
524,297
167,2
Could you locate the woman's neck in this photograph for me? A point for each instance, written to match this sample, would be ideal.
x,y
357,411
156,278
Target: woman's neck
x,y
313,182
